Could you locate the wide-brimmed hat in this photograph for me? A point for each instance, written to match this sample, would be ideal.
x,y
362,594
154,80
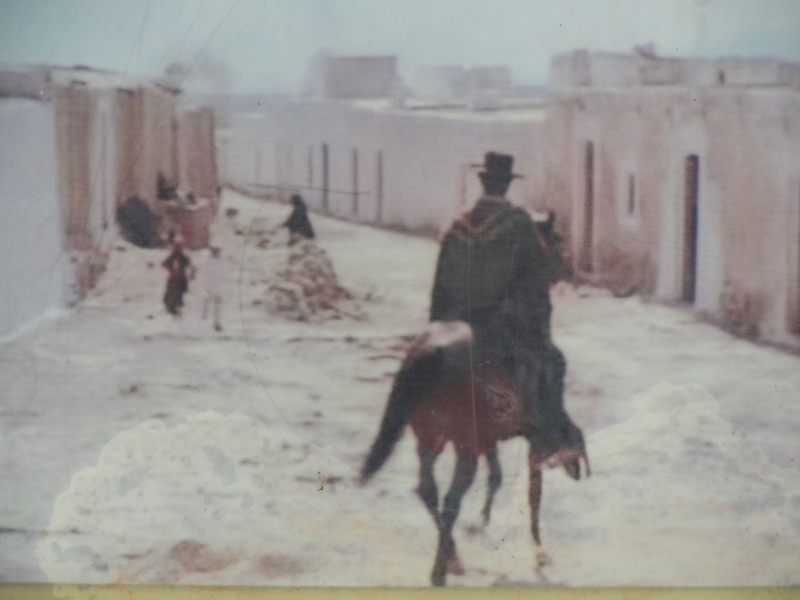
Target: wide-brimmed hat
x,y
498,165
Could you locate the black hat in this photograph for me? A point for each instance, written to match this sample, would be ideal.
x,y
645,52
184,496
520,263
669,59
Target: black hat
x,y
497,165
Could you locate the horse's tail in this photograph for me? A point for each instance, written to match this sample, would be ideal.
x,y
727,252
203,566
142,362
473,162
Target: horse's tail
x,y
416,379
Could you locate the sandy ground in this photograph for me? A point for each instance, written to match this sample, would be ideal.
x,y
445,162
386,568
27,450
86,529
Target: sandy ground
x,y
137,447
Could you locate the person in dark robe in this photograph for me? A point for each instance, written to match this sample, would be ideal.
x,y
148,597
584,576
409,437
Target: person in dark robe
x,y
493,273
177,281
298,222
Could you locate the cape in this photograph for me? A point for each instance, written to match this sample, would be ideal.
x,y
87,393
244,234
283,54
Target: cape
x,y
491,273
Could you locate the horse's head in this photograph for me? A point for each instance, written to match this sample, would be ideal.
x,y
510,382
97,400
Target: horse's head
x,y
571,449
570,457
556,266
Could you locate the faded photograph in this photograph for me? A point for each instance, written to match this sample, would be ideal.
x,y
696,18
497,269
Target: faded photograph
x,y
382,293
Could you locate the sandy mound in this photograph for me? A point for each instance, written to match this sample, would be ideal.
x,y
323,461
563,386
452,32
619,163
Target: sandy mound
x,y
223,499
675,498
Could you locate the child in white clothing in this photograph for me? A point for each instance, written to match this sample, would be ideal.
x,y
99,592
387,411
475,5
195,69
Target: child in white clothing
x,y
215,282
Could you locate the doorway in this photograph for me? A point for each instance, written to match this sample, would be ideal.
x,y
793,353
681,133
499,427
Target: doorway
x,y
691,186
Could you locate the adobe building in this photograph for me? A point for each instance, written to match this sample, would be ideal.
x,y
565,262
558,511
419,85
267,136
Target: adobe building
x,y
377,154
78,143
680,179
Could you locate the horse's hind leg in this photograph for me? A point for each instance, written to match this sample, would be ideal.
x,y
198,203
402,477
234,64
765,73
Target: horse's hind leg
x,y
495,480
446,556
535,496
427,489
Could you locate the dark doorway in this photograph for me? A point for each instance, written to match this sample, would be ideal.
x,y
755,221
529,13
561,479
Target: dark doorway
x,y
379,187
631,195
588,211
691,184
325,177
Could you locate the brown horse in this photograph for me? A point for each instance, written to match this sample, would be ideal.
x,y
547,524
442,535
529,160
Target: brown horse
x,y
444,400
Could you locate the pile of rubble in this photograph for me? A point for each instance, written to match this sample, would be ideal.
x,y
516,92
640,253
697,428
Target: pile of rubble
x,y
307,289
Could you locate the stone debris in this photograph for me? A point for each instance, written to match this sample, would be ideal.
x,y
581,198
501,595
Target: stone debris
x,y
307,288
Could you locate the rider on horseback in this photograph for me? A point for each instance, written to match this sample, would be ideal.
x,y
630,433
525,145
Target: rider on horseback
x,y
493,274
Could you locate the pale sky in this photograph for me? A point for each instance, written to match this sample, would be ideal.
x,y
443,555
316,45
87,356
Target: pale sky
x,y
266,45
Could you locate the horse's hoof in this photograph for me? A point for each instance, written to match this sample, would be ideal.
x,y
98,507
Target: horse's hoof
x,y
454,566
437,579
542,559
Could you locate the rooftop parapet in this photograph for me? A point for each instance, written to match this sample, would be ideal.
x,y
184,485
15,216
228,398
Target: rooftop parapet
x,y
582,68
38,81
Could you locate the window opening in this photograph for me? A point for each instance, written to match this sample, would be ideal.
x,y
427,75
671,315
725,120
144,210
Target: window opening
x,y
631,195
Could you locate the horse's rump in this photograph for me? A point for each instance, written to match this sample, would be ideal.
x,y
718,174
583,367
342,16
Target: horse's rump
x,y
476,407
440,334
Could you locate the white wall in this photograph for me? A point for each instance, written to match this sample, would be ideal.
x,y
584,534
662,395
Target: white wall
x,y
427,177
34,273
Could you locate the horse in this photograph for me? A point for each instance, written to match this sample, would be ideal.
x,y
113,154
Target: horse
x,y
445,397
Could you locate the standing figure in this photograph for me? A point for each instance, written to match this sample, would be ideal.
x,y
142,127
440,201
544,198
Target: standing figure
x,y
178,281
215,282
298,223
492,274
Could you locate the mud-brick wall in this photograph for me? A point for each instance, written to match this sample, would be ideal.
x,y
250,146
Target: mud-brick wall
x,y
197,153
747,144
74,110
147,141
160,152
558,158
624,171
103,170
409,169
754,170
130,136
86,139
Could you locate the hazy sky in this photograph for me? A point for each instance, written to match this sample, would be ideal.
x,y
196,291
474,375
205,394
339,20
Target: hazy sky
x,y
266,45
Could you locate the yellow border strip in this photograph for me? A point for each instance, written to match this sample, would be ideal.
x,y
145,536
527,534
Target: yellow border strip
x,y
142,592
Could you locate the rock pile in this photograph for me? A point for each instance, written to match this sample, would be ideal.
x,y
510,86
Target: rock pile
x,y
308,290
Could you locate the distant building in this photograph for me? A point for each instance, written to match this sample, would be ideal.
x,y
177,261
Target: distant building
x,y
478,88
373,162
90,140
673,178
351,77
681,180
442,84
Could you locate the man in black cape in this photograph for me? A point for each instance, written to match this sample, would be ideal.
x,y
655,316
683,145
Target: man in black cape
x,y
298,222
493,274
